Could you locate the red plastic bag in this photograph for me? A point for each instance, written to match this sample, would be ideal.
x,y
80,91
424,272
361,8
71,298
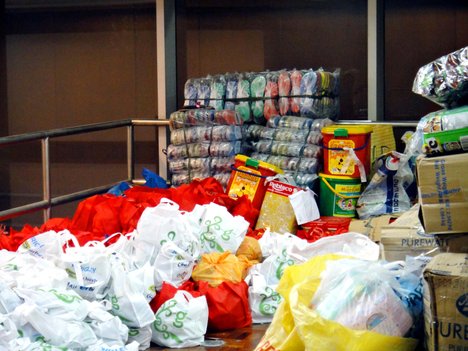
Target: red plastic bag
x,y
168,291
228,305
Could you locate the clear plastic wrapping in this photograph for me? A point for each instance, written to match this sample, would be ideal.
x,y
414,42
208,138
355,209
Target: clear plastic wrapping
x,y
300,164
214,149
259,96
288,149
186,177
203,117
303,136
202,164
200,134
295,122
445,80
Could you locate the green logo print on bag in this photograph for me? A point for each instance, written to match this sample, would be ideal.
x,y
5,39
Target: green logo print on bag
x,y
209,237
67,298
171,236
166,311
270,301
282,261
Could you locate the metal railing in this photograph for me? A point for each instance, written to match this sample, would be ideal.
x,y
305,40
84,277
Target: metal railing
x,y
47,200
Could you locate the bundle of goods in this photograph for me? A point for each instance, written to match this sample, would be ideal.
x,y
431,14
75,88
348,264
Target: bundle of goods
x,y
292,144
259,96
203,144
445,80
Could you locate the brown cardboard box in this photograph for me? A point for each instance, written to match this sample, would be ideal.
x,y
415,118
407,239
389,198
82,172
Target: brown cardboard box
x,y
443,193
406,236
371,227
446,302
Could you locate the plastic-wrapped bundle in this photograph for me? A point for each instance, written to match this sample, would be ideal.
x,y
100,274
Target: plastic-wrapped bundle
x,y
252,131
295,122
243,94
231,91
308,90
223,178
284,91
292,135
257,92
184,178
288,149
221,164
300,164
215,149
303,179
190,92
199,134
270,107
202,164
217,92
295,101
445,80
202,116
204,88
194,164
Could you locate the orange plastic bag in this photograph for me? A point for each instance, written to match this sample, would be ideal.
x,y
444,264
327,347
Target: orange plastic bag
x,y
217,267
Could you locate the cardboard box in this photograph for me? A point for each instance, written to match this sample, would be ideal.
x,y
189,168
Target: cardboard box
x,y
443,193
406,236
371,227
446,302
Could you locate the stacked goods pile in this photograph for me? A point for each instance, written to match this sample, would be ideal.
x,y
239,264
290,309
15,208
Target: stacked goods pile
x,y
259,96
292,144
203,144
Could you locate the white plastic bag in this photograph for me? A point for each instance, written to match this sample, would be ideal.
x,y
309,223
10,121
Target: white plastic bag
x,y
173,265
56,331
347,244
9,300
106,326
8,331
144,281
142,336
272,267
103,346
88,268
65,304
160,224
220,231
271,243
263,299
181,321
128,304
47,245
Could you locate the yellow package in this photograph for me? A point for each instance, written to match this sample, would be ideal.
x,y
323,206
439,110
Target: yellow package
x,y
276,212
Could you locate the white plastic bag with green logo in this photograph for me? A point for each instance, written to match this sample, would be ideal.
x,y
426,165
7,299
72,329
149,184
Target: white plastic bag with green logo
x,y
140,335
161,224
220,231
181,321
263,299
273,267
128,303
173,265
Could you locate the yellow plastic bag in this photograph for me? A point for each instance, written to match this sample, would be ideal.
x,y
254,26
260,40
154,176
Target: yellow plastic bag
x,y
297,327
217,267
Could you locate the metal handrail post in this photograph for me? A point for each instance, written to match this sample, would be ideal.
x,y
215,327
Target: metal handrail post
x,y
130,152
46,177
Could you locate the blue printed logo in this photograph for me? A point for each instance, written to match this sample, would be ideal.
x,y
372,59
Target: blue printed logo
x,y
462,305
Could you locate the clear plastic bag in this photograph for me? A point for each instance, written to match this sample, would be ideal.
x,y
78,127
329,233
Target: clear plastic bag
x,y
201,134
